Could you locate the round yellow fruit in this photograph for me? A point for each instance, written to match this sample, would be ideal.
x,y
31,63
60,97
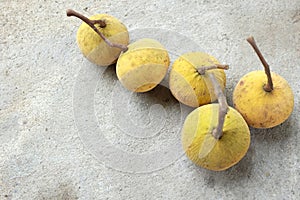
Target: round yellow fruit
x,y
204,149
188,86
92,45
143,65
263,109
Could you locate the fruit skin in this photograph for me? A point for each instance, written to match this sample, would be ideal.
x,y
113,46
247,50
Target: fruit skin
x,y
188,86
259,108
94,48
205,150
143,65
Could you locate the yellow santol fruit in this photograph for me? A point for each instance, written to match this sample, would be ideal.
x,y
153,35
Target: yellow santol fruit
x,y
215,136
188,85
95,47
263,109
264,99
143,65
204,149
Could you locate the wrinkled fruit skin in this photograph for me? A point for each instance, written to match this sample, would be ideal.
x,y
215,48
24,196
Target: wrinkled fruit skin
x,y
203,149
143,65
94,48
188,86
259,108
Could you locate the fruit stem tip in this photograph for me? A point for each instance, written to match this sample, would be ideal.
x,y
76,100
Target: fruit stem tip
x,y
269,86
69,12
201,70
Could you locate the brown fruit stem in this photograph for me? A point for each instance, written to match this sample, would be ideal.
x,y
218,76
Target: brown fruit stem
x,y
92,23
201,70
269,86
223,107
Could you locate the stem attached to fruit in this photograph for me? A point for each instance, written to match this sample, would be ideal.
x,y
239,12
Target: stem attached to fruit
x,y
201,70
223,107
269,86
92,23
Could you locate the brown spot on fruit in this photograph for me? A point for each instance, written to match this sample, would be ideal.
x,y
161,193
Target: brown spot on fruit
x,y
241,83
244,90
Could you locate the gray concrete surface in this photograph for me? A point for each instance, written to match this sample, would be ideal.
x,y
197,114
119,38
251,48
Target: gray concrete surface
x,y
56,107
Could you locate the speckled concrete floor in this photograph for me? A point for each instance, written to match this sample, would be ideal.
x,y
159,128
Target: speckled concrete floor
x,y
70,131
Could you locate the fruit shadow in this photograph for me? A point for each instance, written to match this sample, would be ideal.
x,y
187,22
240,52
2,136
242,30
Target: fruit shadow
x,y
106,72
239,173
110,72
275,135
160,94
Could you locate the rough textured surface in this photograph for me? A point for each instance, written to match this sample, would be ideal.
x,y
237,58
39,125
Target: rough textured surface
x,y
44,153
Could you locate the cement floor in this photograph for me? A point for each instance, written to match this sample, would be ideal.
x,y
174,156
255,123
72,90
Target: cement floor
x,y
69,130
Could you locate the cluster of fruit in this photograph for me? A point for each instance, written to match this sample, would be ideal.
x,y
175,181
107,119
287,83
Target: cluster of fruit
x,y
214,136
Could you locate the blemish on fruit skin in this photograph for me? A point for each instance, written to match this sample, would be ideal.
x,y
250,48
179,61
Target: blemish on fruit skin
x,y
244,90
265,114
241,83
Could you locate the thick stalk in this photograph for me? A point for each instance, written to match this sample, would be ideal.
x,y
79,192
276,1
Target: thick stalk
x,y
201,70
92,23
223,107
269,86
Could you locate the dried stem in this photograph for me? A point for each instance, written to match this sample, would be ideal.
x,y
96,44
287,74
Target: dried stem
x,y
223,107
92,23
269,86
201,70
